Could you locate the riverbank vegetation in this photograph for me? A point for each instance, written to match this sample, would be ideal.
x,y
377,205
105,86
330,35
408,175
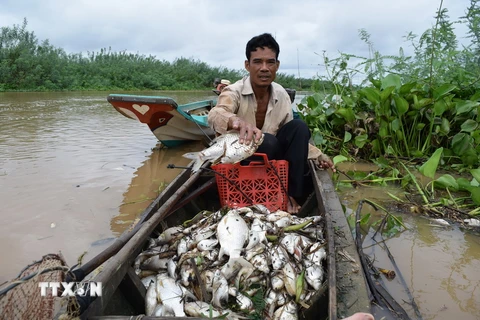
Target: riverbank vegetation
x,y
27,64
413,110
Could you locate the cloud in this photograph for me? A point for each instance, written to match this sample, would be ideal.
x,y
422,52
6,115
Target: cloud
x,y
216,32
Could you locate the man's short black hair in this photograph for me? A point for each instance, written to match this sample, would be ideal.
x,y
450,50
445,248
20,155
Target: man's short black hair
x,y
262,41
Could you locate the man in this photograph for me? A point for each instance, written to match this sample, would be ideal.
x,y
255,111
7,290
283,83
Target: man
x,y
257,104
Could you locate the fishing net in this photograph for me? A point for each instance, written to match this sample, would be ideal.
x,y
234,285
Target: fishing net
x,y
21,299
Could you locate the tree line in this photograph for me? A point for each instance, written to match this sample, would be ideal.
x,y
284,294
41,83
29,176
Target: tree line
x,y
27,64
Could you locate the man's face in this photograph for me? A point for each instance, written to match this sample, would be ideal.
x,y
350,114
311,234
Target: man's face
x,y
262,67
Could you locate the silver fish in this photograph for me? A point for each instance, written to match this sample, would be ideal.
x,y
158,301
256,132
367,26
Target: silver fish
x,y
279,257
287,312
207,244
290,279
154,263
277,215
232,232
170,294
187,274
255,237
225,149
260,262
220,289
313,275
169,234
277,282
146,280
243,301
171,268
151,298
201,309
316,253
283,222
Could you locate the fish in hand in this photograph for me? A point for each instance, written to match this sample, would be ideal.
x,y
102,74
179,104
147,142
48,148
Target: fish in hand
x,y
225,149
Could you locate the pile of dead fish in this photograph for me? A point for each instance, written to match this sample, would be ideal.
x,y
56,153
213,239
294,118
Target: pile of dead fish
x,y
232,263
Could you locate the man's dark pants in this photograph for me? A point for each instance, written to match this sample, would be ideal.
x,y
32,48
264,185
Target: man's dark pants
x,y
291,144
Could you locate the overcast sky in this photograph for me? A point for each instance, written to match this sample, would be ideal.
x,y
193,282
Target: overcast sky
x,y
216,32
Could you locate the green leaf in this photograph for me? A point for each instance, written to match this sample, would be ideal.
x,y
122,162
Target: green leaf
x,y
447,181
391,80
407,87
476,96
347,137
429,168
338,159
460,143
439,107
469,125
360,140
464,184
469,157
476,195
347,114
372,94
395,125
385,94
476,174
445,127
318,139
466,106
401,104
443,90
364,219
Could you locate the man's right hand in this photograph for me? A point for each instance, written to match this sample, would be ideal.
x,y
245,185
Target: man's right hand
x,y
247,130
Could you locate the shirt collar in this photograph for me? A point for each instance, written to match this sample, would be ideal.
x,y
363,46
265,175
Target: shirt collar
x,y
247,89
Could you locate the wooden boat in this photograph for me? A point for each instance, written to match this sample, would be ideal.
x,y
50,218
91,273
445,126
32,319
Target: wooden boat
x,y
123,293
171,123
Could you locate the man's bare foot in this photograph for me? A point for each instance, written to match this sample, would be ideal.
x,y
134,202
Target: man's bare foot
x,y
292,206
360,316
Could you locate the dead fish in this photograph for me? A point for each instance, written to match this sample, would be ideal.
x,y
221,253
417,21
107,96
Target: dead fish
x,y
220,289
207,278
243,301
283,222
316,253
187,274
169,234
260,263
154,263
232,232
313,275
279,257
170,294
260,208
290,279
146,280
207,244
171,268
201,309
277,215
225,149
212,255
151,298
277,282
287,312
255,237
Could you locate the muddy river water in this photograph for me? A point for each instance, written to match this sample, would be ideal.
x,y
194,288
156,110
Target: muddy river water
x,y
74,174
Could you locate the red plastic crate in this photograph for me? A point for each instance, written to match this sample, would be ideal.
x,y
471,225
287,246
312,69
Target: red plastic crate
x,y
263,182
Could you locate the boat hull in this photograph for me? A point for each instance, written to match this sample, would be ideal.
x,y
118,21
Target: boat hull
x,y
171,123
